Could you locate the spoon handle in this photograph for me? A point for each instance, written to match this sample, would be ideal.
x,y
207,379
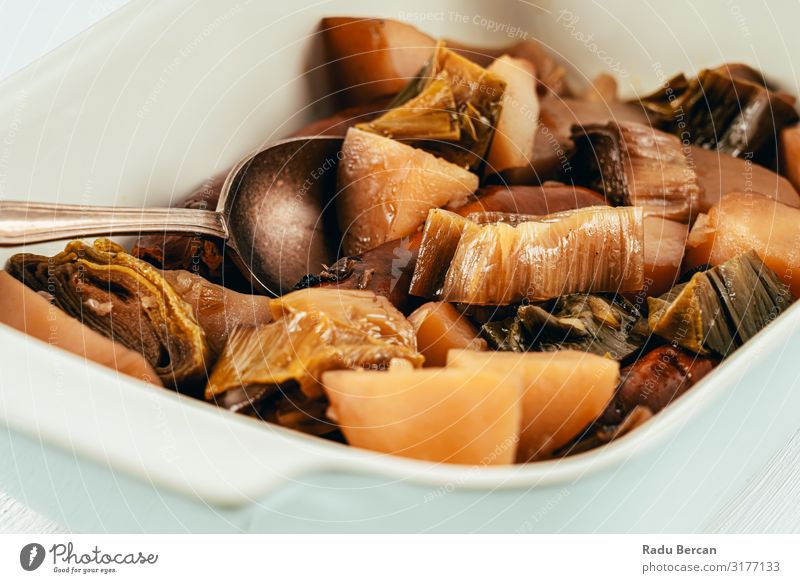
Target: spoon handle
x,y
31,222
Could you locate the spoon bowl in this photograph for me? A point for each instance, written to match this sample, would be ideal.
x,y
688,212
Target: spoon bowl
x,y
275,214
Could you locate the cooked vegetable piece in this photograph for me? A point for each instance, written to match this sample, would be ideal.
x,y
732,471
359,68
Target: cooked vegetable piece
x,y
553,145
31,312
273,371
387,270
363,310
125,299
218,310
439,415
430,115
440,327
597,165
440,239
664,244
789,159
562,392
499,263
743,221
636,165
550,74
372,58
602,89
386,189
512,146
720,174
723,111
655,380
284,360
590,323
743,72
720,309
473,103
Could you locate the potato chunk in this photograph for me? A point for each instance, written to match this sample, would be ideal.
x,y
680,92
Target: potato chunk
x,y
563,392
664,244
373,57
434,414
386,189
512,146
742,221
439,328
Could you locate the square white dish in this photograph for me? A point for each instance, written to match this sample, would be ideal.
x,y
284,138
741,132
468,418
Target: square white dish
x,y
155,99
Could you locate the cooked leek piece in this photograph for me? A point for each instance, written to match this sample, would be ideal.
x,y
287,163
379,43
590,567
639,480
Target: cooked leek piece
x,y
532,257
722,110
386,189
474,111
429,115
720,309
634,164
125,299
388,269
277,367
440,237
607,326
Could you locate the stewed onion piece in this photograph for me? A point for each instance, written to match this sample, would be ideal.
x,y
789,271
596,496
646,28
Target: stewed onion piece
x,y
386,189
743,221
563,392
387,270
455,416
519,257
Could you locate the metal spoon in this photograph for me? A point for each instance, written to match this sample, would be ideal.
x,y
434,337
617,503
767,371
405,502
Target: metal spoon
x,y
274,214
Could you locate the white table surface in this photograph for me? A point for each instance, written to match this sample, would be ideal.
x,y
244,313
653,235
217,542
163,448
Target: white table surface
x,y
31,28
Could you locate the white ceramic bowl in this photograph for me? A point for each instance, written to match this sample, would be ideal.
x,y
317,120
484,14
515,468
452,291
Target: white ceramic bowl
x,y
158,97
